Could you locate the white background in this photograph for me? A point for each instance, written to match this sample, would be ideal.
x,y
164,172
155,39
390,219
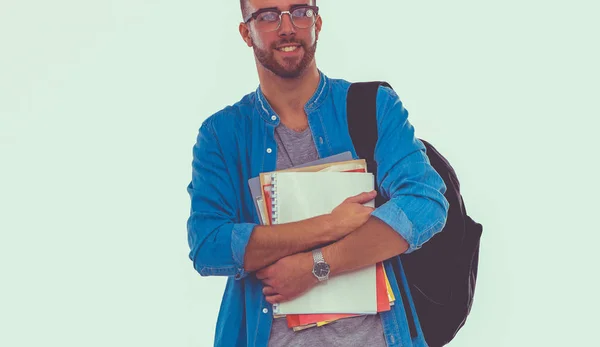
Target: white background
x,y
100,103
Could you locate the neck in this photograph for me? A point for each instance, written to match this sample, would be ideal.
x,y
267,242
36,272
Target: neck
x,y
287,96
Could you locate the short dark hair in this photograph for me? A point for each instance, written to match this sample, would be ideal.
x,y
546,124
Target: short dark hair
x,y
244,7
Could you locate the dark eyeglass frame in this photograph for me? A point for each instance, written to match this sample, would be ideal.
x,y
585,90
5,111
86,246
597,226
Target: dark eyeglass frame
x,y
255,15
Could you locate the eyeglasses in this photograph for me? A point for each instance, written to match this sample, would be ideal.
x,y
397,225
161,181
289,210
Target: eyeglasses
x,y
269,19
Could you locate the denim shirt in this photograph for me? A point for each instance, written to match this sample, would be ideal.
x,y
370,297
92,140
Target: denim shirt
x,y
237,143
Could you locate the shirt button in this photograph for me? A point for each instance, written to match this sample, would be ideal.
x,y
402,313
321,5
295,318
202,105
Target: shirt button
x,y
269,150
320,140
265,310
273,117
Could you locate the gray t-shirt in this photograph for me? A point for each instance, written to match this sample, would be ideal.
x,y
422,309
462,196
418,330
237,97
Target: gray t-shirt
x,y
295,148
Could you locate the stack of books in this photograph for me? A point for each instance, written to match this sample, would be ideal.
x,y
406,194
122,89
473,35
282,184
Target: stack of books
x,y
307,191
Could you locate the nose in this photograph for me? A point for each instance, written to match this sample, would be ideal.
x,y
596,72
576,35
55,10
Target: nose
x,y
286,28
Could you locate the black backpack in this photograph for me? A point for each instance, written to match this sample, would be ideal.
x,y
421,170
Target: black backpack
x,y
441,274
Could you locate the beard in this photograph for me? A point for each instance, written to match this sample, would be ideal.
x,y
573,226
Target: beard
x,y
291,67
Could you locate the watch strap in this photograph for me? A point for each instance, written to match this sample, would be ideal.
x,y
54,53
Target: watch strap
x,y
318,256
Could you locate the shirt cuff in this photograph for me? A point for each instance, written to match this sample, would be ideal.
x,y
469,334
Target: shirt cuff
x,y
240,235
393,216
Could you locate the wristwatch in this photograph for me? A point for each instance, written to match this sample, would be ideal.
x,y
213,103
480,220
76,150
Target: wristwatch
x,y
320,267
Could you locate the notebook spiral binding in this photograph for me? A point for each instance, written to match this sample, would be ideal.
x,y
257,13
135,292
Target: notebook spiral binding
x,y
274,213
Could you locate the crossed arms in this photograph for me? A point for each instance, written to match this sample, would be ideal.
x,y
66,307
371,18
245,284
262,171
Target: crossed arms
x,y
284,262
353,235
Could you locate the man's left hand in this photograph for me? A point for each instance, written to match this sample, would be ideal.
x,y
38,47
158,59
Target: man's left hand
x,y
287,278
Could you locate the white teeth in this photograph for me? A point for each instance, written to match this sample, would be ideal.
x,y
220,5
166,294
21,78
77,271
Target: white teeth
x,y
288,48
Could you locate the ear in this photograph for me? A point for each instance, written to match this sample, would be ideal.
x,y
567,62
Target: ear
x,y
318,25
245,33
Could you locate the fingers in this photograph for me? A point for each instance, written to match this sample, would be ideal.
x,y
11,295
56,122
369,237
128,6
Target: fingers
x,y
261,274
362,197
268,282
271,295
269,291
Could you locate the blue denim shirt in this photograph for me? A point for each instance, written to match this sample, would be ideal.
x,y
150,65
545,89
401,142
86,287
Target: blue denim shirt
x,y
237,143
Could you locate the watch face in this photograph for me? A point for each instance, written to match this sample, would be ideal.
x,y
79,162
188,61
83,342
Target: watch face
x,y
321,269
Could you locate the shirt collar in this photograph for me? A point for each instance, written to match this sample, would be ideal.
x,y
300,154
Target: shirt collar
x,y
266,111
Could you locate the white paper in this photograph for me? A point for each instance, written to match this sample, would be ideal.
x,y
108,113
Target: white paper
x,y
302,195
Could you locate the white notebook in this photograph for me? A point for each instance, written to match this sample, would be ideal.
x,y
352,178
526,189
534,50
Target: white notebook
x,y
301,195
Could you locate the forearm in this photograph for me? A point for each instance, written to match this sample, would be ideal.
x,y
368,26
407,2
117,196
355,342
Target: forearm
x,y
268,244
371,243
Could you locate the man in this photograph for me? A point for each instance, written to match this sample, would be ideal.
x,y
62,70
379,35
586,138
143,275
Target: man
x,y
297,115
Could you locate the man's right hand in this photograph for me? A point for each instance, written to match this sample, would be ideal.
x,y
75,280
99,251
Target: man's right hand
x,y
351,214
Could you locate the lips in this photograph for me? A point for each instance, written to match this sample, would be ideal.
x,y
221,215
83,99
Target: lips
x,y
288,48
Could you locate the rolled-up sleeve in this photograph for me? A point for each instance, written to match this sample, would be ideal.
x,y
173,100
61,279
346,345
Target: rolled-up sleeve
x,y
417,208
216,239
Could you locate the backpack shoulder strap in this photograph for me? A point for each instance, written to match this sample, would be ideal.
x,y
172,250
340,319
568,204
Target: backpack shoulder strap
x,y
361,110
361,104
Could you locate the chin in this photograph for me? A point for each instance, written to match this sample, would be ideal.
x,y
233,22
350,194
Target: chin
x,y
288,74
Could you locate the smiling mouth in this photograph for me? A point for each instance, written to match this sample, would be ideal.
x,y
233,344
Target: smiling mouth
x,y
288,48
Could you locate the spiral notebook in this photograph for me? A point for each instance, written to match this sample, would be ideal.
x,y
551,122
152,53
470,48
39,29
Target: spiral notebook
x,y
256,188
301,195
